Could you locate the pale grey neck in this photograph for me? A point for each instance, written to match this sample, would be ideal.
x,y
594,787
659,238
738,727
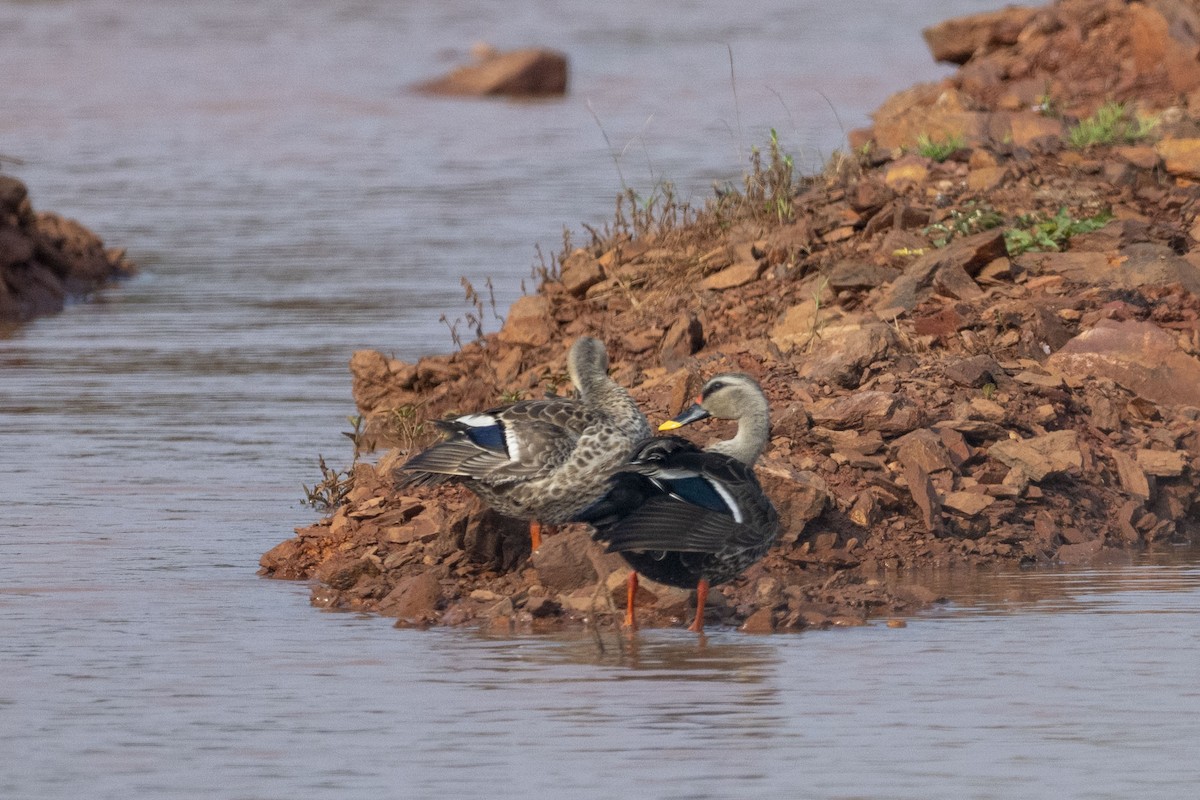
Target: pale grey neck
x,y
593,385
610,397
752,432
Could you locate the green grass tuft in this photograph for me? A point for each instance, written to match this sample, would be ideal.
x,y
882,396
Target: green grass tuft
x,y
1112,123
941,149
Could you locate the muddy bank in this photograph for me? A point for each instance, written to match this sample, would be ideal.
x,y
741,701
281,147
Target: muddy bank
x,y
46,258
979,332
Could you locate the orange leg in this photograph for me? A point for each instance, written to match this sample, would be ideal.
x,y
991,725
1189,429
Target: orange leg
x,y
701,599
631,588
535,535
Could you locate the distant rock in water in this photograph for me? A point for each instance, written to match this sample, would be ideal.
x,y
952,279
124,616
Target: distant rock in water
x,y
45,258
531,72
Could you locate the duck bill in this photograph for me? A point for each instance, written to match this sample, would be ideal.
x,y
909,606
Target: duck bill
x,y
693,413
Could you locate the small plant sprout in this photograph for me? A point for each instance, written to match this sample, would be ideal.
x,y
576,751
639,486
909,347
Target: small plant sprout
x,y
940,149
553,381
1046,105
356,434
1035,234
328,493
405,425
964,222
770,186
1112,123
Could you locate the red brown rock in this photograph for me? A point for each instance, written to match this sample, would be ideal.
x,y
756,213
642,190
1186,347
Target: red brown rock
x,y
531,72
563,561
1180,156
869,410
924,495
846,350
528,322
968,254
580,272
957,40
1039,457
414,598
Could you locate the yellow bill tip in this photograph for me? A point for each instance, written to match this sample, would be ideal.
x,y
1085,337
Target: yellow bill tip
x,y
669,425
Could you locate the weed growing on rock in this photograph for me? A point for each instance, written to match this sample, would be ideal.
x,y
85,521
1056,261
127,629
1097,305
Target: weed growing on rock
x,y
405,425
553,381
330,492
355,435
653,213
1038,235
473,318
964,222
770,186
1047,105
1112,123
940,149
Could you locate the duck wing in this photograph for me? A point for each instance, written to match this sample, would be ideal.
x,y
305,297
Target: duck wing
x,y
673,496
514,443
665,524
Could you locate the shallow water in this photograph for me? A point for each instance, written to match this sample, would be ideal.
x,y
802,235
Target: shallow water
x,y
290,203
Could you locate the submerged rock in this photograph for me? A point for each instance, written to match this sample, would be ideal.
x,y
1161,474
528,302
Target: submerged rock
x,y
532,72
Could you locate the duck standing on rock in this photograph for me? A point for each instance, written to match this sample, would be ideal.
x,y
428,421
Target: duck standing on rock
x,y
540,460
689,517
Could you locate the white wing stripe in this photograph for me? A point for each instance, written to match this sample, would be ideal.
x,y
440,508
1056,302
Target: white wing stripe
x,y
513,443
734,508
477,420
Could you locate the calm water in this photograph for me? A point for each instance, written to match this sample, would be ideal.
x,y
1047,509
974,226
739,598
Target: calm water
x,y
290,203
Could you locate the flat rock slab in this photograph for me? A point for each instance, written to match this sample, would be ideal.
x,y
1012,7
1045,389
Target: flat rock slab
x,y
1148,264
734,276
1140,356
1132,476
1040,456
562,561
528,321
580,272
844,351
969,504
869,411
1162,463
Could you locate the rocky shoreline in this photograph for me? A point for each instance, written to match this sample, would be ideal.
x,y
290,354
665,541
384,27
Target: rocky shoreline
x,y
979,333
46,258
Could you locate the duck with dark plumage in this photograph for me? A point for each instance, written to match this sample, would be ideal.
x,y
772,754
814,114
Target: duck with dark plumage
x,y
688,517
